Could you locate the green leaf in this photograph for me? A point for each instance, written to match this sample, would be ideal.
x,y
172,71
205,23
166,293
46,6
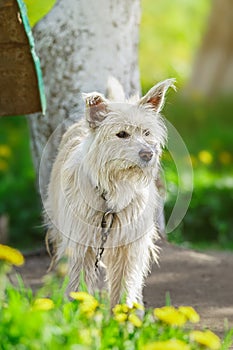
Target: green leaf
x,y
37,9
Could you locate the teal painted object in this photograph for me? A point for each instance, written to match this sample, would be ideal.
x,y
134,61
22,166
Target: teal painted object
x,y
24,17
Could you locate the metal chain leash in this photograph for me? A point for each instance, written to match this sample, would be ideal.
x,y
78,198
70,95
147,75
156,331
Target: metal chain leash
x,y
105,230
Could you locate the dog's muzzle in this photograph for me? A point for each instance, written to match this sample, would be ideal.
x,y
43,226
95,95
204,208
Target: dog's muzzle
x,y
146,154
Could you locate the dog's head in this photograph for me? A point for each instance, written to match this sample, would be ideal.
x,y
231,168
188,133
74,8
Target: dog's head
x,y
126,138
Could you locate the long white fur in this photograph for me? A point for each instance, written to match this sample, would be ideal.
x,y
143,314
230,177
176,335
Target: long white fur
x,y
93,161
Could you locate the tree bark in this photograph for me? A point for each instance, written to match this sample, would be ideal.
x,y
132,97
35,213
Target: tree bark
x,y
213,69
80,44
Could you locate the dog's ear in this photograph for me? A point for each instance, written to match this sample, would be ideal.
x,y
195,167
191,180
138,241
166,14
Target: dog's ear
x,y
155,96
115,91
96,108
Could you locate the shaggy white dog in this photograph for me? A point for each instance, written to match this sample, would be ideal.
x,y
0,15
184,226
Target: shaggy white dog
x,y
102,198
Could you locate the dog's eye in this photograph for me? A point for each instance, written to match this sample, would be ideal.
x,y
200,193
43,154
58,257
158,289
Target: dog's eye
x,y
123,135
146,132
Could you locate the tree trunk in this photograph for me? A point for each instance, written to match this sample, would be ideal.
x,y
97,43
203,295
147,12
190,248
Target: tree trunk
x,y
80,44
213,69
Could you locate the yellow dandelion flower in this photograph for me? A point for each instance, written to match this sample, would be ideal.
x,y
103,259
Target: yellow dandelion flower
x,y
173,344
135,320
43,304
120,317
11,256
88,302
138,306
171,316
225,158
207,338
205,157
5,151
89,306
81,296
119,308
189,313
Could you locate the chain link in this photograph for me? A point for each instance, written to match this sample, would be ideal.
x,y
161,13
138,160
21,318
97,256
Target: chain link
x,y
105,230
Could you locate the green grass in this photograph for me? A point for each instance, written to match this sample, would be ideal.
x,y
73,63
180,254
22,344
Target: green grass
x,y
48,320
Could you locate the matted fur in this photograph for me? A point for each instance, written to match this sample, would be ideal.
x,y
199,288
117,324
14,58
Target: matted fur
x,y
97,170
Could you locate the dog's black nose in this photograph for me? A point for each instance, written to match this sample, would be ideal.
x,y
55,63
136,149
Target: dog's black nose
x,y
146,154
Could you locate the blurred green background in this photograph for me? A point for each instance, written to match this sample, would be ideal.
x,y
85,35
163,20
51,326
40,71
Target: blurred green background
x,y
171,34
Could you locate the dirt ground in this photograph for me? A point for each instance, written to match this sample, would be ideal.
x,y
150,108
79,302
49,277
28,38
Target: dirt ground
x,y
201,280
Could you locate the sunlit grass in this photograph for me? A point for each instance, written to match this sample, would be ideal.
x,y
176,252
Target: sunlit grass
x,y
51,321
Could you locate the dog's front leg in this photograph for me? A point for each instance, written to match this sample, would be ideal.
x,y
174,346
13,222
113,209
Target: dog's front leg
x,y
90,274
137,267
134,285
74,267
115,264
